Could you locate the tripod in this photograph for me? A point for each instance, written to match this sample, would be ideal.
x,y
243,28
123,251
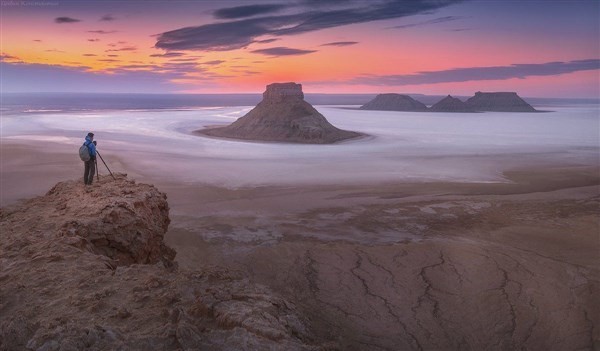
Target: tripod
x,y
104,165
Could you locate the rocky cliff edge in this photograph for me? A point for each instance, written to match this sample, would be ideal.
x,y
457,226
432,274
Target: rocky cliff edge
x,y
86,268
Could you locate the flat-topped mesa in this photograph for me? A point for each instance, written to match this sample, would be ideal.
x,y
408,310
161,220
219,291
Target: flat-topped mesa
x,y
451,104
283,116
499,102
394,102
278,92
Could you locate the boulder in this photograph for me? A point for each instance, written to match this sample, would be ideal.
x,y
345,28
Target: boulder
x,y
120,219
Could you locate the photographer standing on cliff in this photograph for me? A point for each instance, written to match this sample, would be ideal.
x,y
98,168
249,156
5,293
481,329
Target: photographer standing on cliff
x,y
87,153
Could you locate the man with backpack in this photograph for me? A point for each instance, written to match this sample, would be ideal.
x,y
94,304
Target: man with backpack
x,y
87,153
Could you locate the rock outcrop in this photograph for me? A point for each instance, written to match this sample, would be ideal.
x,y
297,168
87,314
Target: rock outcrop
x,y
283,116
86,268
394,102
451,104
499,102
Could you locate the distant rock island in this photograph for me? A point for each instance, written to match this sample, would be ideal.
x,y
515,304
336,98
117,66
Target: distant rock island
x,y
394,102
284,116
492,101
499,102
451,104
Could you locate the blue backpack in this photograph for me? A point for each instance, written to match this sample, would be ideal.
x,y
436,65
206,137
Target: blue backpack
x,y
84,152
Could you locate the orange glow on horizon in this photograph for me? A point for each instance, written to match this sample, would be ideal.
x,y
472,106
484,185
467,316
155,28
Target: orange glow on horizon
x,y
127,45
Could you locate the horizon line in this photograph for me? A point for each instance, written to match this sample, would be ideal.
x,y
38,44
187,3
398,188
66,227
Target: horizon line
x,y
596,98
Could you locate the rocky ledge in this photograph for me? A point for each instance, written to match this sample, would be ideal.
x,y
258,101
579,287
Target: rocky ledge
x,y
86,268
283,116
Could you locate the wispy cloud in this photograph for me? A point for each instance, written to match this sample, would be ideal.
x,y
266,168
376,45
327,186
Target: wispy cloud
x,y
184,59
168,54
247,10
213,63
90,55
125,48
428,22
9,58
340,43
66,20
282,51
93,40
266,41
479,73
23,77
236,34
107,18
102,31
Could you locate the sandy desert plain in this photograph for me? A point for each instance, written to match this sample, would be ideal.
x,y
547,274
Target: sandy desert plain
x,y
438,231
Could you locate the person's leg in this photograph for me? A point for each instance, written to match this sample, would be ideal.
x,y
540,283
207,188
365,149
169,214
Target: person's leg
x,y
86,171
92,171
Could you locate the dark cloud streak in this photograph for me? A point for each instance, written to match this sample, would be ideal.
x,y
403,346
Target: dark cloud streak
x,y
238,34
519,71
125,48
247,11
340,43
102,31
107,18
432,21
282,51
66,20
266,41
168,54
213,63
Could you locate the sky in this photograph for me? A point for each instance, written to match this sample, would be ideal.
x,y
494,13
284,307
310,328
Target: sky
x,y
537,48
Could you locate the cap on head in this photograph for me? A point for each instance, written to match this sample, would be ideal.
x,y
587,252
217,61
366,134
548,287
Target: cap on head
x,y
90,134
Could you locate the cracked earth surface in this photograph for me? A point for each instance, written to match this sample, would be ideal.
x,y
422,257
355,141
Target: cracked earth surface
x,y
485,270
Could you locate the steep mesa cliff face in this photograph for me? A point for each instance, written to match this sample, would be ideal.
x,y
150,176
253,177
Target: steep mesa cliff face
x,y
283,116
394,102
499,102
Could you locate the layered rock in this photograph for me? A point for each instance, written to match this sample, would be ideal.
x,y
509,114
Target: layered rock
x,y
394,102
283,116
499,101
86,268
124,221
451,104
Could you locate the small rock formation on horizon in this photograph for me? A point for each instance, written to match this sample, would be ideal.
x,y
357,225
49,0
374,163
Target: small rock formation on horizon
x,y
499,102
87,268
394,102
451,104
283,116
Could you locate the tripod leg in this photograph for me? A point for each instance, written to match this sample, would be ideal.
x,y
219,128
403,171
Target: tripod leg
x,y
97,173
105,165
